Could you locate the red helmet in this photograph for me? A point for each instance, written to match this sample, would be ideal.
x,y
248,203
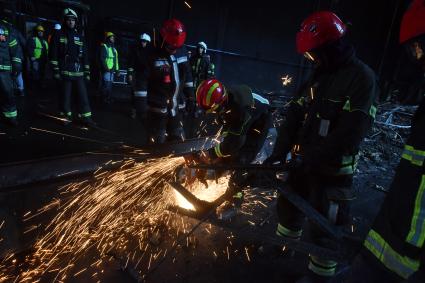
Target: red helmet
x,y
413,23
211,94
173,33
319,29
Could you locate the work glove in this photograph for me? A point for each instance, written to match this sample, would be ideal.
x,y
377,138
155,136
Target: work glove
x,y
201,157
274,160
130,79
87,77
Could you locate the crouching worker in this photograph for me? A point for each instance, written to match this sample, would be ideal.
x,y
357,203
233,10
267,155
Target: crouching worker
x,y
245,120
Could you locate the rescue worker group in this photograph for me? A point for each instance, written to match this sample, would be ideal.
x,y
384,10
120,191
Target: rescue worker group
x,y
319,140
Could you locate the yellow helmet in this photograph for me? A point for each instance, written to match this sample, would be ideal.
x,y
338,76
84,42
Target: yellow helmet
x,y
109,34
39,28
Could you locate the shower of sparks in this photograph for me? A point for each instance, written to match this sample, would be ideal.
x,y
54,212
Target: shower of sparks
x,y
118,214
286,80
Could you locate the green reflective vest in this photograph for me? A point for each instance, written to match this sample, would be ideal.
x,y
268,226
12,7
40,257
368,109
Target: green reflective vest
x,y
111,59
38,50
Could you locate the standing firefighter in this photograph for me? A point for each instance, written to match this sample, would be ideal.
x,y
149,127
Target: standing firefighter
x,y
394,249
324,127
37,50
245,119
202,68
7,20
11,65
169,78
110,65
70,63
138,75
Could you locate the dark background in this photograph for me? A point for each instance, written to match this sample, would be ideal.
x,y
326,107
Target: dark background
x,y
259,34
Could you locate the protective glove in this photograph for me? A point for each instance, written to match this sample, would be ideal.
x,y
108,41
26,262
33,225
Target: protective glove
x,y
87,77
196,174
130,79
274,160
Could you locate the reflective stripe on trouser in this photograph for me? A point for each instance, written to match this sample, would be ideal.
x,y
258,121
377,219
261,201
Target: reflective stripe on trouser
x,y
82,98
68,114
416,235
285,232
322,267
7,97
415,156
403,266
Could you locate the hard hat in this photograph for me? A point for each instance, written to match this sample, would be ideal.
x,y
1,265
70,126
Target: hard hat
x,y
109,34
69,13
58,27
203,45
173,33
39,28
413,22
211,94
145,37
319,29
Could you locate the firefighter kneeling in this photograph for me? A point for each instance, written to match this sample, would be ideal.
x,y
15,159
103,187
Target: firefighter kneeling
x,y
245,118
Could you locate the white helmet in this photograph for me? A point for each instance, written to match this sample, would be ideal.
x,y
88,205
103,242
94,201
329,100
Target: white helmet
x,y
203,45
69,13
57,27
146,37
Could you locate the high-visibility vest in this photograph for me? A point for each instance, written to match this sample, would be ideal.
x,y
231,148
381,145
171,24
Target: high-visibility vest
x,y
111,57
38,50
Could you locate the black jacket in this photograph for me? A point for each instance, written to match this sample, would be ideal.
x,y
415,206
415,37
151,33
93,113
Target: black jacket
x,y
328,120
10,51
169,78
239,117
69,56
138,61
202,68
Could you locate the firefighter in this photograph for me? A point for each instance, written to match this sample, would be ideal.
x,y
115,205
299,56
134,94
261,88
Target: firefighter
x,y
37,50
245,118
138,75
325,125
70,63
394,249
109,65
56,28
15,33
169,79
202,68
10,67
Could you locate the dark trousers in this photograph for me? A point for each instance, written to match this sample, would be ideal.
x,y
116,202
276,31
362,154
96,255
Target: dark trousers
x,y
78,85
164,127
7,98
37,75
318,191
139,95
